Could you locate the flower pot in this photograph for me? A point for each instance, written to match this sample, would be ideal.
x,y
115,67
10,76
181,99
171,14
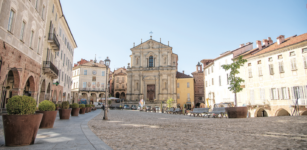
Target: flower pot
x,y
89,109
236,112
75,112
48,118
65,113
20,130
82,111
86,110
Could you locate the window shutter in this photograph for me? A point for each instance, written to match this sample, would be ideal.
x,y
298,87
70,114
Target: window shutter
x,y
271,97
301,92
294,63
305,93
280,93
305,62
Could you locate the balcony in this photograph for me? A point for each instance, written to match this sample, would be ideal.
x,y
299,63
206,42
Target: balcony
x,y
50,69
53,40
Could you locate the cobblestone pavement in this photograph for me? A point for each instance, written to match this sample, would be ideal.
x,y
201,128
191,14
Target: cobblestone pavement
x,y
142,130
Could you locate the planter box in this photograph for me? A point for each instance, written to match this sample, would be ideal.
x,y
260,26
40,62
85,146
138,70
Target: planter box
x,y
65,113
20,130
86,110
48,118
89,109
75,112
82,110
236,112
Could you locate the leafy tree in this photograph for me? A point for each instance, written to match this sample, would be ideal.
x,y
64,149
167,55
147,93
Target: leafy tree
x,y
235,82
169,102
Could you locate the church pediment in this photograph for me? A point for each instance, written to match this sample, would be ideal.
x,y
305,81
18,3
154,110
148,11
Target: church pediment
x,y
151,44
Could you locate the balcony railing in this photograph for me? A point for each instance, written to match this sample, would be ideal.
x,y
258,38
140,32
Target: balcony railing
x,y
50,69
54,41
92,89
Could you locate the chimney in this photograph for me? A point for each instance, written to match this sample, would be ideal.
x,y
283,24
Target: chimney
x,y
183,71
133,44
258,43
265,42
270,40
241,45
248,43
280,39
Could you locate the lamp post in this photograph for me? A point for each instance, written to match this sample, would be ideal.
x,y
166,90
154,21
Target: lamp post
x,y
107,63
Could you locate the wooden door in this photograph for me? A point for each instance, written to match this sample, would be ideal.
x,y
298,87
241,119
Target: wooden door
x,y
151,92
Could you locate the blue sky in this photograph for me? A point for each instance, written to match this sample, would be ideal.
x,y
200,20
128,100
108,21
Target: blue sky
x,y
196,29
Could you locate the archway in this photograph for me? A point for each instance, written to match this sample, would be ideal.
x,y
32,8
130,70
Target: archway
x,y
261,113
68,98
123,95
29,87
304,113
42,92
282,112
93,98
117,95
47,97
11,86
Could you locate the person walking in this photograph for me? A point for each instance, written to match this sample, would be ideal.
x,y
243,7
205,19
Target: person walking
x,y
102,107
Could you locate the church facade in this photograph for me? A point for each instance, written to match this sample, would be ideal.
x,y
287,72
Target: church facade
x,y
152,75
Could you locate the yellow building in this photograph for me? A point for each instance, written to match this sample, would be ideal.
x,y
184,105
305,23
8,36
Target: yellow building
x,y
185,90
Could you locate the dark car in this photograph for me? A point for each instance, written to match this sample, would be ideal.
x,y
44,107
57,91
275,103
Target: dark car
x,y
126,107
148,108
133,107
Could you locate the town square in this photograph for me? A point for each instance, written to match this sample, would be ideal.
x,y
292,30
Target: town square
x,y
153,74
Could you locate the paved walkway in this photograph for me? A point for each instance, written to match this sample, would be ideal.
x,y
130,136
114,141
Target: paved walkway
x,y
72,134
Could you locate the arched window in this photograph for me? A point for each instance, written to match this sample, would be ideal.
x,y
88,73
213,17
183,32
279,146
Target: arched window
x,y
150,61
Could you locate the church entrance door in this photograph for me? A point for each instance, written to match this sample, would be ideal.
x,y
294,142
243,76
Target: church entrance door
x,y
151,92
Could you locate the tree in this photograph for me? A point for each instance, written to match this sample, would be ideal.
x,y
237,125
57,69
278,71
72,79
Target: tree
x,y
169,102
235,82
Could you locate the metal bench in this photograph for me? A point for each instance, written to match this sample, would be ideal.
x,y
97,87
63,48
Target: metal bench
x,y
217,111
199,111
170,110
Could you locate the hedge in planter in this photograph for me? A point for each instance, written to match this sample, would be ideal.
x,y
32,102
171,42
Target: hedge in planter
x,y
48,109
89,107
57,106
21,124
75,109
65,110
82,108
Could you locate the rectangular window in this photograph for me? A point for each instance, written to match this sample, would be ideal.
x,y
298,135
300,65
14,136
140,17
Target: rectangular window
x,y
212,81
123,79
177,85
188,85
250,74
188,95
260,70
64,60
9,28
102,85
305,61
94,84
293,64
281,67
304,50
178,96
270,59
285,94
292,54
123,86
259,62
102,73
52,8
208,70
84,85
262,94
85,72
22,30
251,94
212,69
39,41
36,4
31,38
274,94
117,79
43,10
271,69
227,79
220,81
280,57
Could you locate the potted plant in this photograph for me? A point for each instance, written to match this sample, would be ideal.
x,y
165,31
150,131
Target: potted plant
x,y
86,108
21,124
57,106
47,108
65,110
75,109
82,109
235,87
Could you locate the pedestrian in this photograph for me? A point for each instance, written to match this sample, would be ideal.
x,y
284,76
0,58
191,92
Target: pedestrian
x,y
102,107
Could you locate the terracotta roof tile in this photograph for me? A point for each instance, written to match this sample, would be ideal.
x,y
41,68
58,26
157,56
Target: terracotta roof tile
x,y
182,75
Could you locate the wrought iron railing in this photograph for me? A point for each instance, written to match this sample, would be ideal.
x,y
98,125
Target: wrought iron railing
x,y
49,64
53,37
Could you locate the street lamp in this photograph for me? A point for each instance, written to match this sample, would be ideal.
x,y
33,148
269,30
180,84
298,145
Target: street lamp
x,y
107,63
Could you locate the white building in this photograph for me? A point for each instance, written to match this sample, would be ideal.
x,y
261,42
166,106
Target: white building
x,y
216,78
275,77
89,81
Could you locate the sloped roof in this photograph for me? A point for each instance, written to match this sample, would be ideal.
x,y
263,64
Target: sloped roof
x,y
92,64
182,75
287,42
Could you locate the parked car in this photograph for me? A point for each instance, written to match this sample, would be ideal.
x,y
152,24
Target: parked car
x,y
126,107
157,108
119,100
133,107
148,108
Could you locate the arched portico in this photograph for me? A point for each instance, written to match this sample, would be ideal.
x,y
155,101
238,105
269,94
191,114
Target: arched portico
x,y
282,112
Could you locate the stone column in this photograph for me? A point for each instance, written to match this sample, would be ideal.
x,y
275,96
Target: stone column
x,y
168,58
156,87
